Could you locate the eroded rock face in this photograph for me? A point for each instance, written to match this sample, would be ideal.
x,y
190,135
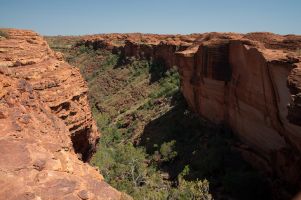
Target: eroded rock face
x,y
254,87
45,124
60,86
159,48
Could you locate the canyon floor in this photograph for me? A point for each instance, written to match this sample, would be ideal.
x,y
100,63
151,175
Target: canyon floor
x,y
150,141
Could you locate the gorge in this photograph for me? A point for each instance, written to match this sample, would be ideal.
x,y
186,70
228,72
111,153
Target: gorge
x,y
243,101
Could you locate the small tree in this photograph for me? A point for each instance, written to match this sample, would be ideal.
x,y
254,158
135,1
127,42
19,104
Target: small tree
x,y
190,190
167,151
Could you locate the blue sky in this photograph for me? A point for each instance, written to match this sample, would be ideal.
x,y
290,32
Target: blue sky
x,y
75,17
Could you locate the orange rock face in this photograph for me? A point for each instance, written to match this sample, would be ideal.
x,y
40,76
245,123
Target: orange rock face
x,y
45,125
252,83
28,56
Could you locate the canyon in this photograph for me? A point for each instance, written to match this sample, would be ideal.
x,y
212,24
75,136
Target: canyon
x,y
250,83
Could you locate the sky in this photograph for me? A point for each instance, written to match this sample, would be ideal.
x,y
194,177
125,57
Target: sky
x,y
78,17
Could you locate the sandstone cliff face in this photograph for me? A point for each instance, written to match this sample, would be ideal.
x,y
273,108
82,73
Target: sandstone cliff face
x,y
163,53
45,125
60,86
158,48
255,89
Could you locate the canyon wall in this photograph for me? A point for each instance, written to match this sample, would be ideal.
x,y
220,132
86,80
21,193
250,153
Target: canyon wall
x,y
46,126
158,48
250,82
254,88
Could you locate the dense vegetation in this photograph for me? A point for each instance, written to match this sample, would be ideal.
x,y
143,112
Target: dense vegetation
x,y
152,147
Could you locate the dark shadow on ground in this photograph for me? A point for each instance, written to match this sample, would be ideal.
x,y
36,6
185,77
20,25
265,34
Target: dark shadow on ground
x,y
157,69
207,149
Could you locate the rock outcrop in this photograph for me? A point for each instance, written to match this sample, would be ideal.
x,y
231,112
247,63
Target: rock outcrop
x,y
251,83
60,86
46,126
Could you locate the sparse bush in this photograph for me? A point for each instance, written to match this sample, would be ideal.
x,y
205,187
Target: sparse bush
x,y
139,67
83,49
4,34
167,150
147,106
169,85
190,190
124,167
102,120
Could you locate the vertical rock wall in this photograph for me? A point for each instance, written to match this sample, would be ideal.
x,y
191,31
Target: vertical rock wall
x,y
247,86
45,125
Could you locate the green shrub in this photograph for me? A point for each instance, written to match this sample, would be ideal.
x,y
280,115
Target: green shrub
x,y
167,150
124,167
102,120
149,105
190,190
169,85
139,67
84,49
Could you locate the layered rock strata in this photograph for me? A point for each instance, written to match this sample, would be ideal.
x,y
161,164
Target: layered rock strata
x,y
254,87
60,86
158,48
46,127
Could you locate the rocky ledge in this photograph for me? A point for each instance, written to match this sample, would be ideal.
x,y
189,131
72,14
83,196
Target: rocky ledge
x,y
46,128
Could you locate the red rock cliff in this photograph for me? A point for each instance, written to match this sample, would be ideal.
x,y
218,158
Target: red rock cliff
x,y
159,48
45,125
252,83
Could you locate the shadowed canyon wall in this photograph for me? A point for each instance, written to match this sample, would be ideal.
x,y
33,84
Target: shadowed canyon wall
x,y
254,90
